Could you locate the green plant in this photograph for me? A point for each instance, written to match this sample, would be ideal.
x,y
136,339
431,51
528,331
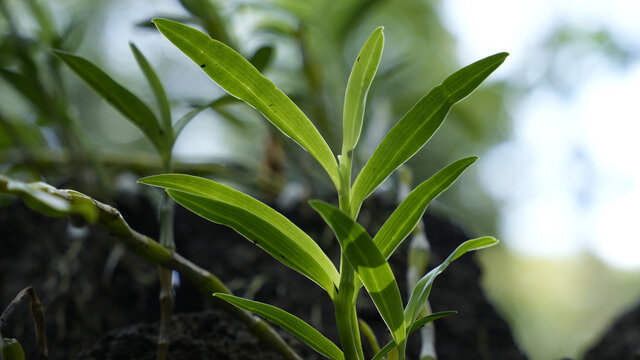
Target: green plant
x,y
363,258
54,202
161,131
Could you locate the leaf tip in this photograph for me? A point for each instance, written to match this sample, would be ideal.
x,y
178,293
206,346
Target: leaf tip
x,y
316,204
147,180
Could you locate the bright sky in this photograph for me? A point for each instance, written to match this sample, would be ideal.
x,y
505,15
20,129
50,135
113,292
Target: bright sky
x,y
567,179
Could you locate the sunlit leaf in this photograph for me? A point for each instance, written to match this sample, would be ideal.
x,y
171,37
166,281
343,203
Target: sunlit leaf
x,y
288,322
421,292
241,79
417,325
413,131
120,98
370,265
406,216
362,74
254,220
156,87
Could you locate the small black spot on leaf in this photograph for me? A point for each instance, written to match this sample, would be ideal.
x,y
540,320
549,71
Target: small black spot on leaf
x,y
203,65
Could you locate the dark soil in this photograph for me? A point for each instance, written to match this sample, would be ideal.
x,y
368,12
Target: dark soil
x,y
621,341
93,313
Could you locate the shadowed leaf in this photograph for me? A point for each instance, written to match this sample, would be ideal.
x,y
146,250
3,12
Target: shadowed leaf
x,y
156,87
417,325
288,322
120,98
372,268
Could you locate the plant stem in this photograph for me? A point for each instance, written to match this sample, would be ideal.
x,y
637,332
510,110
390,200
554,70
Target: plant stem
x,y
112,221
37,313
345,301
167,240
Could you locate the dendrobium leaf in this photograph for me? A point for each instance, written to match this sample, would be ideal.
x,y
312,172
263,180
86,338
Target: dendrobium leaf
x,y
417,325
254,220
413,131
156,87
120,98
370,265
421,292
242,80
288,322
50,201
406,216
362,74
186,118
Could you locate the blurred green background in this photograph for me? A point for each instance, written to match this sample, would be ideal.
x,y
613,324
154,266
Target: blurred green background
x,y
554,127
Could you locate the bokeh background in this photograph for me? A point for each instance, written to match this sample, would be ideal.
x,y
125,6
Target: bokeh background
x,y
556,127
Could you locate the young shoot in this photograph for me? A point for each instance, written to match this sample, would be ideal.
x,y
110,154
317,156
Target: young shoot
x,y
363,259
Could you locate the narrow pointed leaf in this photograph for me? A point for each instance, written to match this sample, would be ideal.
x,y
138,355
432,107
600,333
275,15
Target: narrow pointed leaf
x,y
254,220
362,74
186,118
120,98
261,58
414,130
421,292
156,87
370,265
241,79
417,325
29,88
406,216
288,322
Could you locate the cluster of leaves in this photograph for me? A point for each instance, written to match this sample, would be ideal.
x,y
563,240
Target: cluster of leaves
x,y
363,258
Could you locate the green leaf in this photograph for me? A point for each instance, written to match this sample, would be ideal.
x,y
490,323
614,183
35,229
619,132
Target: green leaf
x,y
50,201
29,87
406,216
370,265
254,220
414,130
241,79
417,325
120,98
421,292
11,349
362,74
186,118
157,88
20,134
261,58
288,322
